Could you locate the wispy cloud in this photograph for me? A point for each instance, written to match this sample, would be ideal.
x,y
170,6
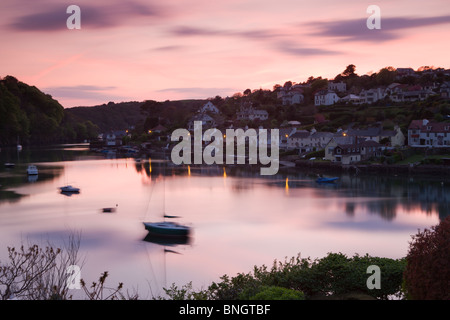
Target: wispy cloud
x,y
52,17
254,34
356,29
295,50
87,92
200,92
267,36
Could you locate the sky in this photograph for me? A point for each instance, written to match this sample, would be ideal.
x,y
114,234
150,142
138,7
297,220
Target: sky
x,y
195,49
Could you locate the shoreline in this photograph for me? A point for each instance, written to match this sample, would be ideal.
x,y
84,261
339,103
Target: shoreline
x,y
374,168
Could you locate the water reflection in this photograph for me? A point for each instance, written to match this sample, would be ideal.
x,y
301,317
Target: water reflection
x,y
384,195
240,218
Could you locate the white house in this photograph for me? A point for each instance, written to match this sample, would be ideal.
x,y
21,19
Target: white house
x,y
291,95
325,98
306,141
402,93
209,106
110,139
425,133
207,121
371,95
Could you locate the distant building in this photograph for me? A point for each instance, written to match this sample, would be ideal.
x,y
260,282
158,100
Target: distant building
x,y
371,95
404,72
158,129
291,95
356,151
248,113
425,133
114,138
444,90
395,137
325,98
337,86
284,134
305,141
339,138
295,140
206,120
351,98
209,107
404,93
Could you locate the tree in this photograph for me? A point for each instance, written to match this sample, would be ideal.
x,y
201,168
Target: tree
x,y
427,274
349,71
319,84
386,76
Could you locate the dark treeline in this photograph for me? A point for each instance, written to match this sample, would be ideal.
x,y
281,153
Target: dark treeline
x,y
29,116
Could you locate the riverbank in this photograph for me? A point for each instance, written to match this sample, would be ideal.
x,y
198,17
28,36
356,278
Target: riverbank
x,y
374,168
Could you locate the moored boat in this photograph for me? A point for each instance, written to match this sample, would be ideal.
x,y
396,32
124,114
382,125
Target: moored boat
x,y
167,228
326,180
32,170
69,189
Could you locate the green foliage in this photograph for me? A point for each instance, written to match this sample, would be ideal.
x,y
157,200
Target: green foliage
x,y
31,116
275,293
297,278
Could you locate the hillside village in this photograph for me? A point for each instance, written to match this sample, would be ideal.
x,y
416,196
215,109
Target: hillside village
x,y
349,119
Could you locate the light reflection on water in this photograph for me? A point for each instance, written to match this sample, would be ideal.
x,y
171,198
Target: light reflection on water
x,y
239,218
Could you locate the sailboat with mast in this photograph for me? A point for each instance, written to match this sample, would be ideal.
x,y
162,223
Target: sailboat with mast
x,y
167,228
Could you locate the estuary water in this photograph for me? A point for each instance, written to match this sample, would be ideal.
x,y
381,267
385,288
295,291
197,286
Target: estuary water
x,y
239,218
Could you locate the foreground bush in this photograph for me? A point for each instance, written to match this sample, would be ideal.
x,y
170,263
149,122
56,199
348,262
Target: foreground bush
x,y
427,274
335,274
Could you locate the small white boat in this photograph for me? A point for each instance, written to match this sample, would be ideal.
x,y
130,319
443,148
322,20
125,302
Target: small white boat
x,y
69,189
32,170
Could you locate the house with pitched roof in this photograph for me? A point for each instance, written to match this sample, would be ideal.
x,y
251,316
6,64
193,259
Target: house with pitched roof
x,y
248,112
307,141
395,137
432,134
325,98
357,151
209,107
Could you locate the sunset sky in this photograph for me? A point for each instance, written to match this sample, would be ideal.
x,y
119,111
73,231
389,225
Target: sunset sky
x,y
137,50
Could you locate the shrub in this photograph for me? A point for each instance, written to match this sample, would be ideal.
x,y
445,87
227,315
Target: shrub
x,y
334,274
277,293
427,274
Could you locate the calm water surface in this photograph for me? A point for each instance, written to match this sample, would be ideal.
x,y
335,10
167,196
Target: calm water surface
x,y
239,218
